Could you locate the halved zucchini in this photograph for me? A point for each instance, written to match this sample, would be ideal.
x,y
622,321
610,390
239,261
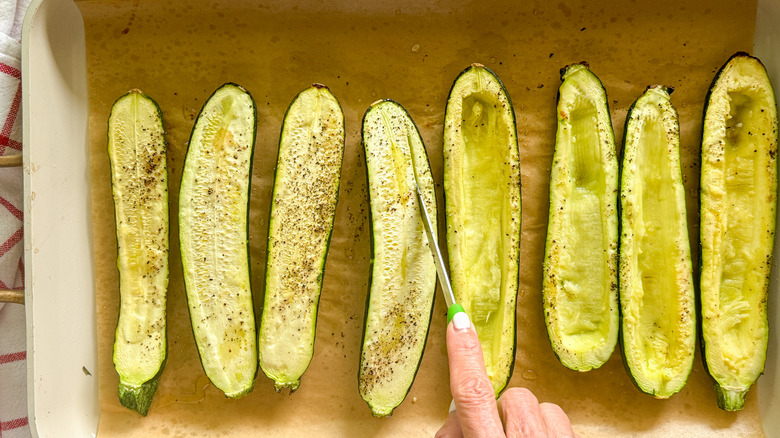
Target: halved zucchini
x,y
403,273
482,192
738,197
656,283
139,181
580,284
306,189
213,209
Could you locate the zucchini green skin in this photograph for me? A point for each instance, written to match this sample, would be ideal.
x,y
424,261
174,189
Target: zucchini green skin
x,y
737,211
214,238
139,181
311,149
580,282
657,302
399,304
482,197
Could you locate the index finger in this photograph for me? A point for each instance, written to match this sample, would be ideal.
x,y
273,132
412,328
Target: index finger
x,y
471,389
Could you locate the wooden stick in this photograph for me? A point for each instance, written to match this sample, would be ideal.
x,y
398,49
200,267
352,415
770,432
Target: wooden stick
x,y
11,160
12,296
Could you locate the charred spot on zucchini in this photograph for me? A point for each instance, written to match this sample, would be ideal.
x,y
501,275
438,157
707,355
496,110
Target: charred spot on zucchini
x,y
580,286
656,278
738,208
482,192
213,235
306,188
403,273
139,182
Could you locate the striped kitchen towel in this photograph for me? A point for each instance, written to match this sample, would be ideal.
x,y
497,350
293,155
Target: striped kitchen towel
x,y
14,421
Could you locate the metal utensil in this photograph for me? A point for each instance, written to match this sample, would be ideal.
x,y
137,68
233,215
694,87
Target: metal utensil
x,y
433,244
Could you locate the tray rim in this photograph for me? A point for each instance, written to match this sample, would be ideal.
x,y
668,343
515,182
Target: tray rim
x,y
62,384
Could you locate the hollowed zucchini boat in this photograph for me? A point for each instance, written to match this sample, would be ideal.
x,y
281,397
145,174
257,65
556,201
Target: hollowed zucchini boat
x,y
482,192
213,210
656,284
306,188
580,286
738,202
403,273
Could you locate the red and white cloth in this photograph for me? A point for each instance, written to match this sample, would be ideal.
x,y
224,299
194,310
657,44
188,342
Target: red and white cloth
x,y
14,421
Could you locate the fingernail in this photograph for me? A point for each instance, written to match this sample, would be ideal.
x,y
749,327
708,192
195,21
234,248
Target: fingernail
x,y
452,406
461,321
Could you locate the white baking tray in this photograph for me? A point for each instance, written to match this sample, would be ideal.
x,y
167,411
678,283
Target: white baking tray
x,y
61,335
61,341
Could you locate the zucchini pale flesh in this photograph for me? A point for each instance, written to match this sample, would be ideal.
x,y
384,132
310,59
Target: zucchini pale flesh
x,y
580,285
139,181
482,192
213,208
308,169
738,196
656,283
403,274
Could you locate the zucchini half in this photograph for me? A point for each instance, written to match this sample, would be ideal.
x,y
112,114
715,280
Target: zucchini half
x,y
656,278
482,192
139,181
306,189
580,284
213,210
403,273
738,202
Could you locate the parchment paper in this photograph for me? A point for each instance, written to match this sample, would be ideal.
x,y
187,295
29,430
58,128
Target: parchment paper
x,y
179,52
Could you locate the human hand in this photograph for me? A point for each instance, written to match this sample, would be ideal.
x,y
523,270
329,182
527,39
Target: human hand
x,y
476,413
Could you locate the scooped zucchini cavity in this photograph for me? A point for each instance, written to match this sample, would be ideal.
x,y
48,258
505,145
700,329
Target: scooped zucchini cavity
x,y
580,287
482,193
738,208
656,279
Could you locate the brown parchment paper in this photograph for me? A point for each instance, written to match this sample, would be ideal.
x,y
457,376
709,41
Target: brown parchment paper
x,y
178,52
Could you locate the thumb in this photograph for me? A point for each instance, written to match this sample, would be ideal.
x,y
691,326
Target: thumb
x,y
471,389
